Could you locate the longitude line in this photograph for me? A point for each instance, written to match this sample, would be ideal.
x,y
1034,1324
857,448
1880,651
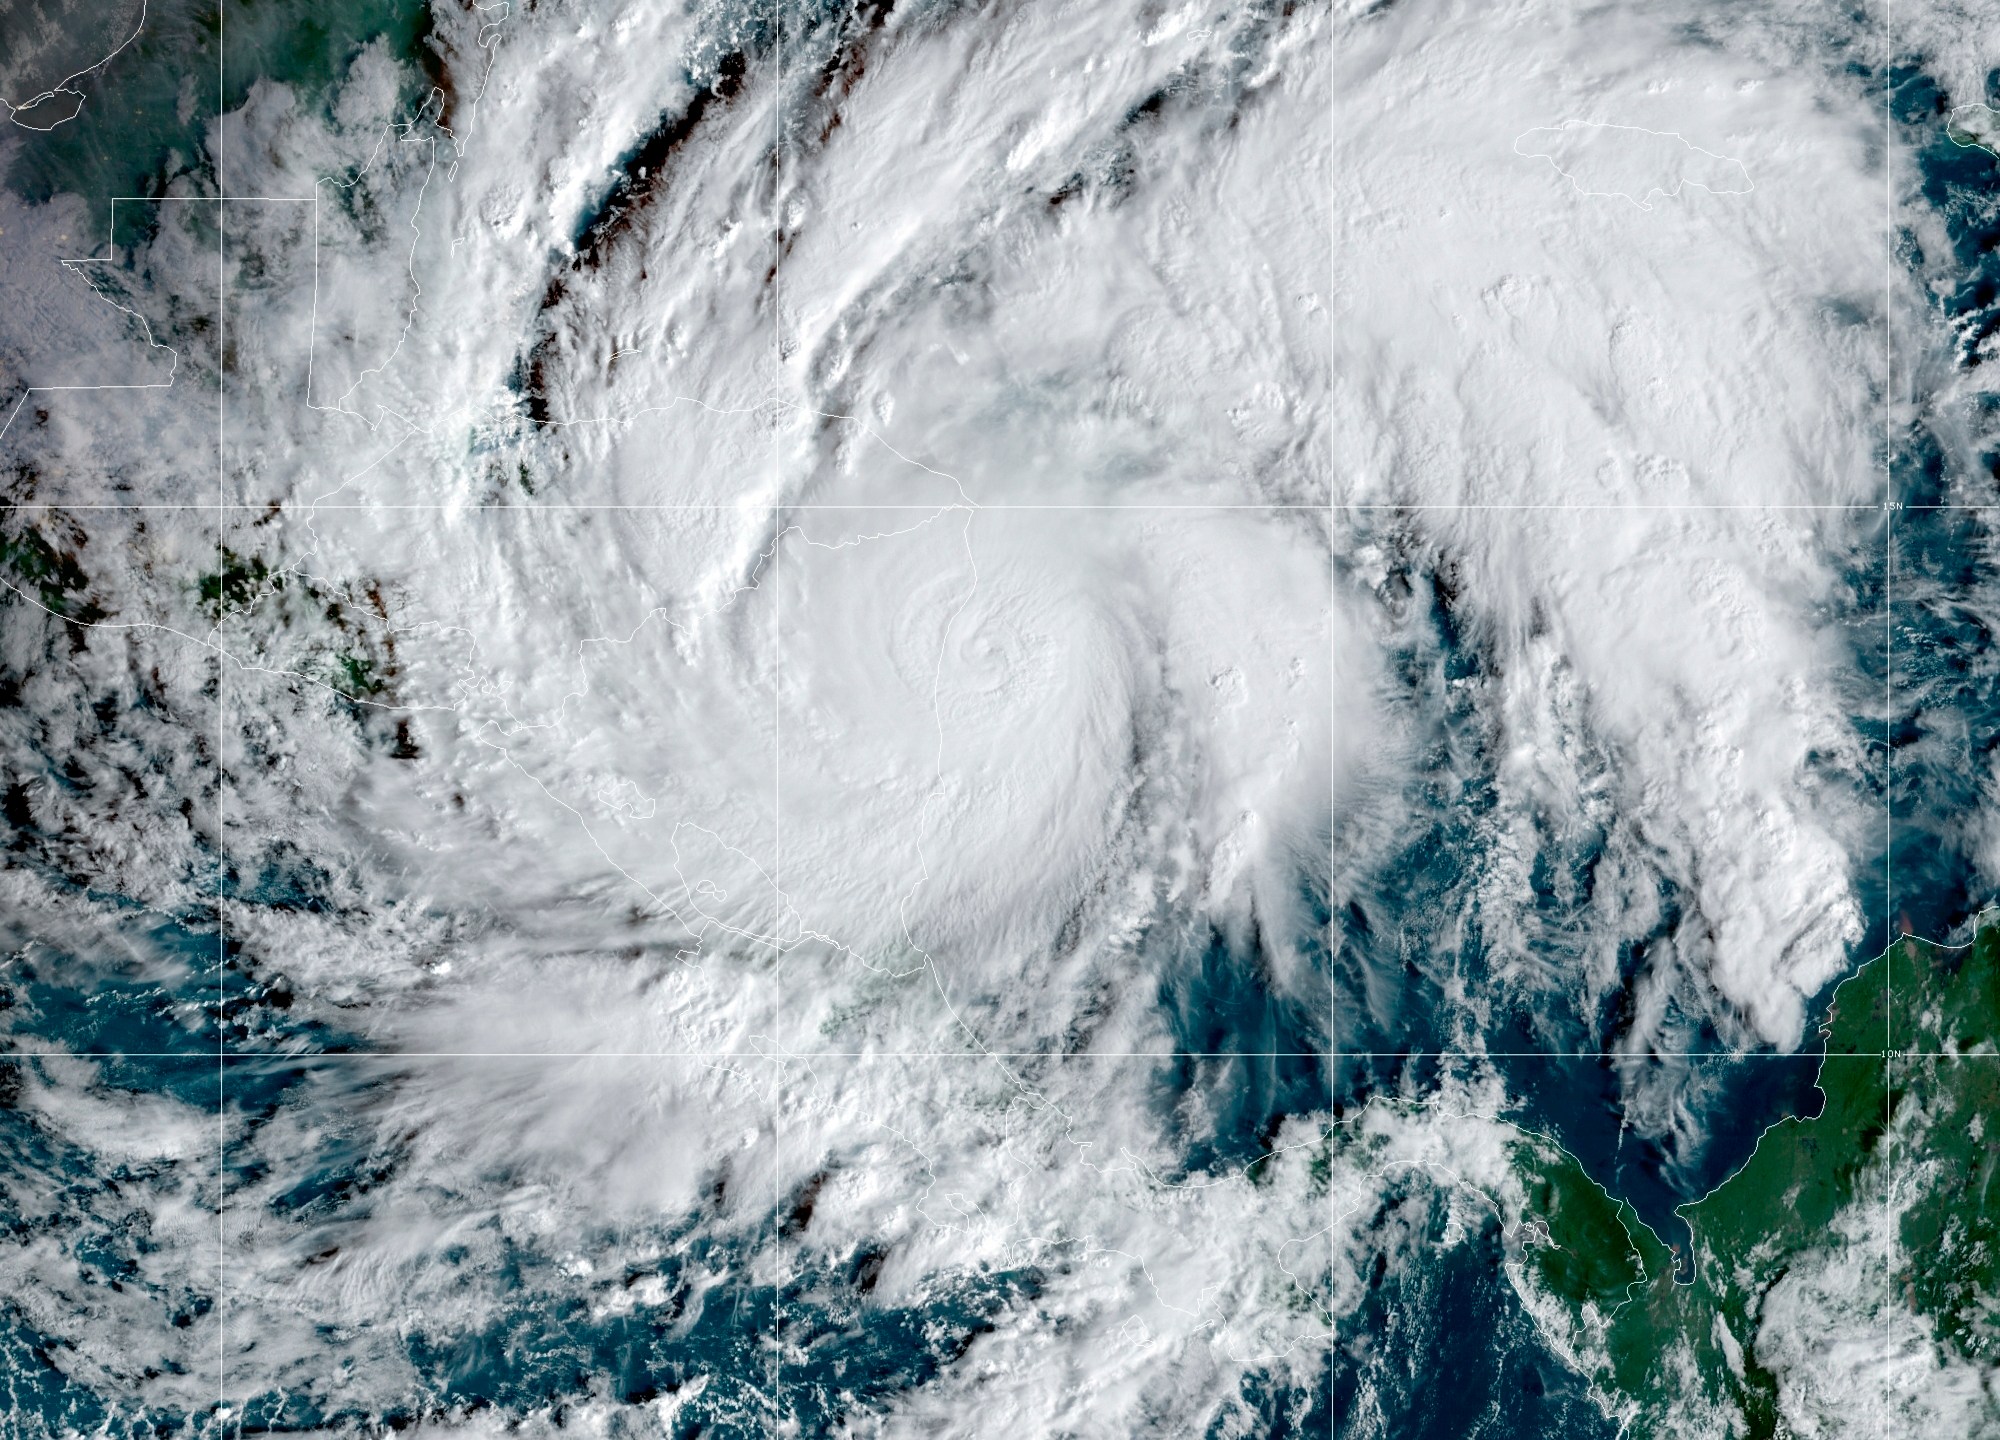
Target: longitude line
x,y
777,722
1332,768
1888,701
222,507
1332,998
221,722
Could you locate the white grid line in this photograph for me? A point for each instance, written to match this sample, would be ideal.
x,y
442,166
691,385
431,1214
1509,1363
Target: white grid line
x,y
263,507
1889,935
223,507
1888,692
778,1068
221,722
309,1057
1332,711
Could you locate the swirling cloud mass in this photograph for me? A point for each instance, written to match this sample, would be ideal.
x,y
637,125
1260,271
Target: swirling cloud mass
x,y
911,719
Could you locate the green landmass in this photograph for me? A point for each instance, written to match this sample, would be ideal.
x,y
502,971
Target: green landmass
x,y
339,634
41,560
1975,126
236,584
1911,1065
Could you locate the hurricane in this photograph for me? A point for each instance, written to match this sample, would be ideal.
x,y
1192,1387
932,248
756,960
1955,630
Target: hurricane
x,y
909,718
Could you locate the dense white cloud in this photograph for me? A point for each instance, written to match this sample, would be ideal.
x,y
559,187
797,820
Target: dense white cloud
x,y
1582,411
905,571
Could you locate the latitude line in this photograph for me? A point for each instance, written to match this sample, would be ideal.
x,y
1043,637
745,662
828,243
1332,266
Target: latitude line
x,y
1136,506
1328,508
308,1057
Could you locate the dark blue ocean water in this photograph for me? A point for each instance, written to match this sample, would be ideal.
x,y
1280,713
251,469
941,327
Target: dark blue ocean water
x,y
1252,1047
1944,673
165,993
1440,1348
1919,613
